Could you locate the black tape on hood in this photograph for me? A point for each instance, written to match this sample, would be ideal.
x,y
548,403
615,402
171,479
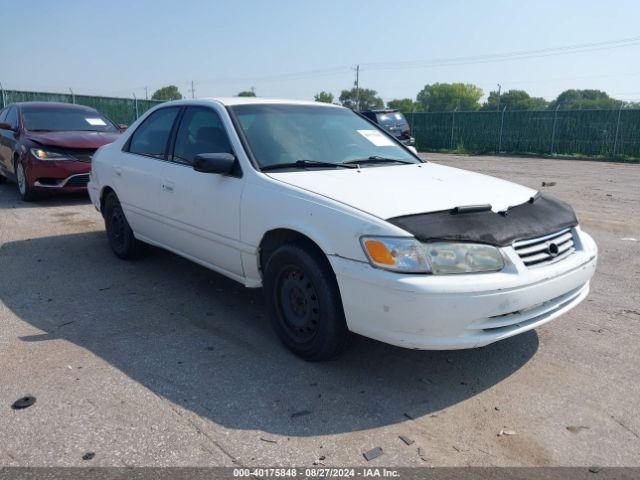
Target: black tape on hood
x,y
541,215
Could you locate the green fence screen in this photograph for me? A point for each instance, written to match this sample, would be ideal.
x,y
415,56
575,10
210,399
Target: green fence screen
x,y
120,110
600,133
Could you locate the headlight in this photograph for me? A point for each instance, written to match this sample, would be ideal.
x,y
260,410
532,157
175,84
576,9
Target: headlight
x,y
408,255
42,154
397,254
448,257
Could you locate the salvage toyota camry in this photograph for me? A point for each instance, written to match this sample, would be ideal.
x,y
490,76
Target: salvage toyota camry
x,y
346,229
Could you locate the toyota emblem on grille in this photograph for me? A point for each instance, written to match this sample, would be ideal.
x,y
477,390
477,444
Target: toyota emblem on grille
x,y
552,250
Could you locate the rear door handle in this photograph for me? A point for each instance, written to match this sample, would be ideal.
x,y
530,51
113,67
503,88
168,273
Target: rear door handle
x,y
167,186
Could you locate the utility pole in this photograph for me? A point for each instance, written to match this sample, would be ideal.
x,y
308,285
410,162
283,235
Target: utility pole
x,y
499,92
193,90
73,96
357,85
146,93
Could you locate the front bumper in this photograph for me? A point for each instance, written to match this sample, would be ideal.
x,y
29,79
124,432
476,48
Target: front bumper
x,y
94,195
443,312
65,175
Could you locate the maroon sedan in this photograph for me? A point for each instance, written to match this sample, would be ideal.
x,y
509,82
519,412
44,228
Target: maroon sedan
x,y
47,146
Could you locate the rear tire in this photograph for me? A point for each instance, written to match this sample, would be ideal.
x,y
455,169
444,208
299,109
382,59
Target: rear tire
x,y
26,192
121,239
304,303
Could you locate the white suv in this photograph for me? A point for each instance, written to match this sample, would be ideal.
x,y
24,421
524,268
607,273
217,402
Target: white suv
x,y
345,228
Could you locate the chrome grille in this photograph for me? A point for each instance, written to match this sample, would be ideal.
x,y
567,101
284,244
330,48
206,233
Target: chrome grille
x,y
546,249
82,154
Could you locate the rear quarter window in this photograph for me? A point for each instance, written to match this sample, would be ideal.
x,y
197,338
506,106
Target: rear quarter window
x,y
393,118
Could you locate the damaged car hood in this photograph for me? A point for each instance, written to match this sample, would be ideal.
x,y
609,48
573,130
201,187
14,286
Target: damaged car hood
x,y
397,190
73,139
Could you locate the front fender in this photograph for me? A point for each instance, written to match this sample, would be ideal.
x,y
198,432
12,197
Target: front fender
x,y
334,227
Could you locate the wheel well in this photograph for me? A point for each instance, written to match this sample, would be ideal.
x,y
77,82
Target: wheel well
x,y
274,239
105,191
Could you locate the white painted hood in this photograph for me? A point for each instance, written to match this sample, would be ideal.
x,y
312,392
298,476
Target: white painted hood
x,y
395,190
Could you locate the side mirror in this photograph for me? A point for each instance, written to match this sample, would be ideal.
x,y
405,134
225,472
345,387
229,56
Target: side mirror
x,y
122,127
221,163
6,126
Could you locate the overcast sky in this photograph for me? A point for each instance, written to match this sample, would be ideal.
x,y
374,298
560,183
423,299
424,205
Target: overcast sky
x,y
293,49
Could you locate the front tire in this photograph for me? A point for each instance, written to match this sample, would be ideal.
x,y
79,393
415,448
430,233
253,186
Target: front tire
x,y
304,303
121,239
26,192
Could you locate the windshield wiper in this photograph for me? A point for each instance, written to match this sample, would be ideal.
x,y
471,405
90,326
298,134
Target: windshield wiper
x,y
306,164
376,159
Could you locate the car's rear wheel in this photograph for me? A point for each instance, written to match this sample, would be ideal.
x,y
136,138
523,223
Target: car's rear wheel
x,y
304,302
121,239
26,192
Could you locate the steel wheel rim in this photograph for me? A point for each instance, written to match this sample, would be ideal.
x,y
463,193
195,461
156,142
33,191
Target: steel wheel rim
x,y
22,181
117,229
298,304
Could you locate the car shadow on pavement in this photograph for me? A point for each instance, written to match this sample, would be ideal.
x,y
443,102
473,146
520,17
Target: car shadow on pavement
x,y
9,194
204,343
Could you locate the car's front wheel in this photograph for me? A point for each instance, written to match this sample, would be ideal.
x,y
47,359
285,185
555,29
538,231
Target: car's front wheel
x,y
121,239
304,302
26,192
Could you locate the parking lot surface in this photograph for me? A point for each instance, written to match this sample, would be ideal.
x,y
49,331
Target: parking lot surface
x,y
162,362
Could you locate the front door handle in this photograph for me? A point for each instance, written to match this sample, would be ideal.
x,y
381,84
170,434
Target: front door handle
x,y
167,186
118,171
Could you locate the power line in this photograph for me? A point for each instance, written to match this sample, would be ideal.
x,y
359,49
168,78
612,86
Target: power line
x,y
506,56
417,64
442,62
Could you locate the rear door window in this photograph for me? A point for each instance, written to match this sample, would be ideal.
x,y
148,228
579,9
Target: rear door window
x,y
152,136
200,131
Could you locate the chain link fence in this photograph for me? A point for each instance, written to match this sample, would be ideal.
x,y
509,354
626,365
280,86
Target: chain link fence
x,y
120,110
593,133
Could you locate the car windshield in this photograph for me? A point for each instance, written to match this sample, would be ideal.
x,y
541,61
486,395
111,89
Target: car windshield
x,y
52,119
286,134
391,119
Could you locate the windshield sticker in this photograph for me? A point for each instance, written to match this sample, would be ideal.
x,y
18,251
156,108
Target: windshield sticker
x,y
96,122
377,138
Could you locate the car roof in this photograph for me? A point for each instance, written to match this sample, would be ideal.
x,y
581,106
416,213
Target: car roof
x,y
56,105
231,101
381,110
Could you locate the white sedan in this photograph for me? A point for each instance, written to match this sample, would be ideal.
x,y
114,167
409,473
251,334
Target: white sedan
x,y
346,229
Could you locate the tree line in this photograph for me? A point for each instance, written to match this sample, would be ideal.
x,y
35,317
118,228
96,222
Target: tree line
x,y
447,97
